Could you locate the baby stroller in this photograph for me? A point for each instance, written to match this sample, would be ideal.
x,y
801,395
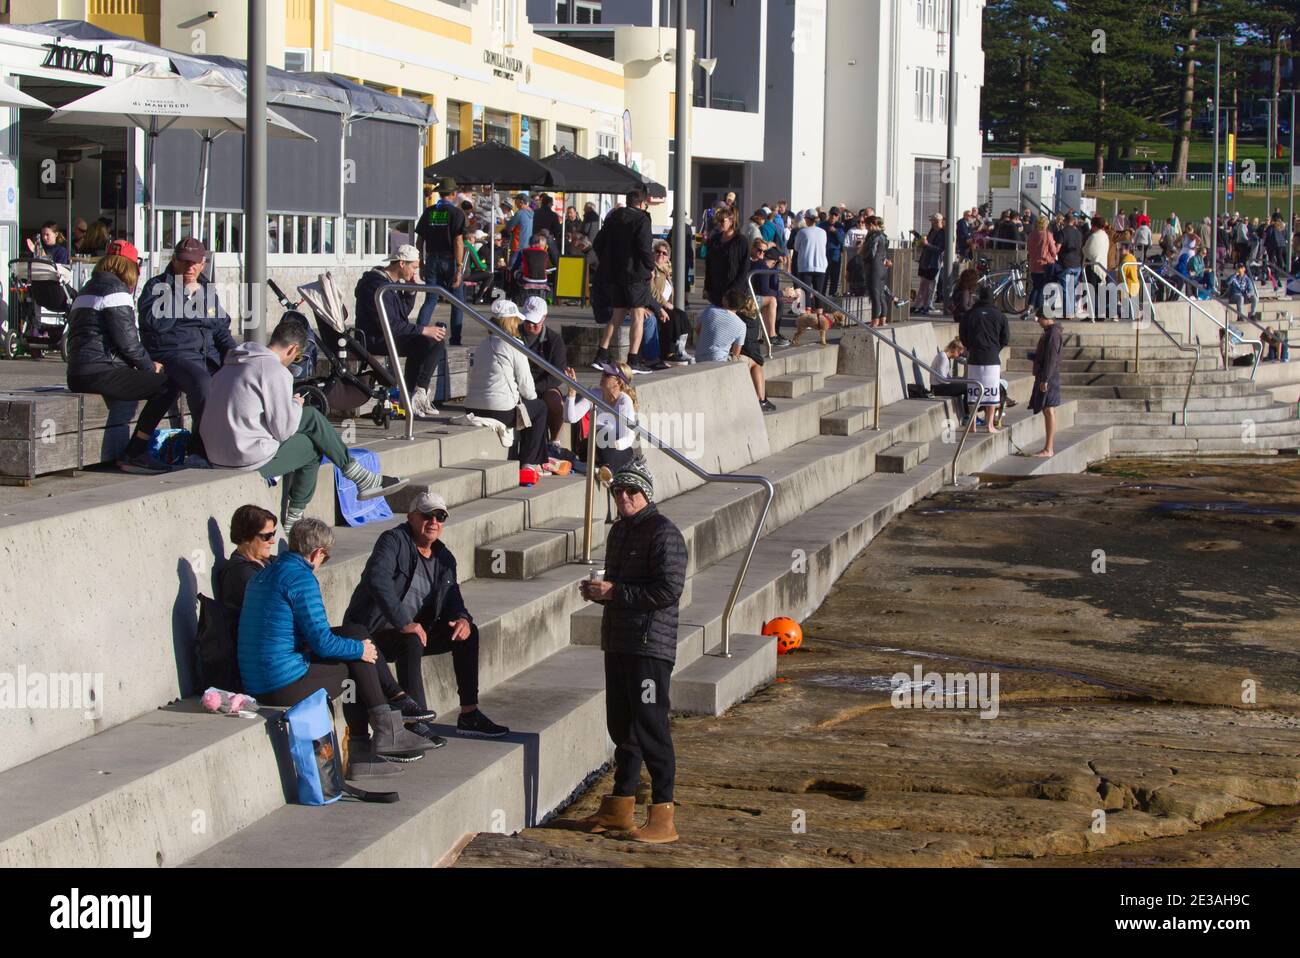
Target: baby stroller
x,y
337,373
41,294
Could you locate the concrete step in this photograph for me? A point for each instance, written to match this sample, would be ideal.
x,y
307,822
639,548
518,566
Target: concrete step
x,y
794,385
1175,404
470,480
1185,447
847,421
712,684
524,555
798,419
1204,417
1167,352
1200,390
902,457
1145,378
555,712
1024,364
1076,448
1241,431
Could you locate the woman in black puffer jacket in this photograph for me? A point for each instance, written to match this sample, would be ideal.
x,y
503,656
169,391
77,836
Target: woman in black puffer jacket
x,y
105,356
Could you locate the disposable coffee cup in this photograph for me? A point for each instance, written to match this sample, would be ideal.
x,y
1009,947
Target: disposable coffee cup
x,y
597,575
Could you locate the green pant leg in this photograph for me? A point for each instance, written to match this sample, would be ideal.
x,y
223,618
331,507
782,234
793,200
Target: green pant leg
x,y
324,437
299,462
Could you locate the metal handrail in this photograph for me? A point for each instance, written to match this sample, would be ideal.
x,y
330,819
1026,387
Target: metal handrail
x,y
598,402
1229,332
874,331
1194,350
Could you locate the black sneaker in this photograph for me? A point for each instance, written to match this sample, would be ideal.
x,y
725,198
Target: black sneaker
x,y
425,730
142,464
659,366
387,486
767,405
639,365
478,725
780,340
412,711
602,358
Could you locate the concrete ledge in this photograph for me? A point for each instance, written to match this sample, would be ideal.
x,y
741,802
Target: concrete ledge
x,y
712,684
521,556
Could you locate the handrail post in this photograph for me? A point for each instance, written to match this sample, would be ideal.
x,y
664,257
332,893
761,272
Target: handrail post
x,y
396,362
591,488
875,411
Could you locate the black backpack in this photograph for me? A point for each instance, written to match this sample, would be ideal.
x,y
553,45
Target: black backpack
x,y
218,661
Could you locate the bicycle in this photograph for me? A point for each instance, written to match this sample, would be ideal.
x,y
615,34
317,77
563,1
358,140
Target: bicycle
x,y
1010,293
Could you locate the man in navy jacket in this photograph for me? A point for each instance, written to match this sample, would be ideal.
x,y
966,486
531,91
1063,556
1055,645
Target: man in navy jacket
x,y
183,326
409,602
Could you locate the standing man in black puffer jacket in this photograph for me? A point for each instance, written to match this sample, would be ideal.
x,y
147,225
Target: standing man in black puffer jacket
x,y
645,572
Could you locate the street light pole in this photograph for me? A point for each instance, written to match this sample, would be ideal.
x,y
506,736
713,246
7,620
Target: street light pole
x,y
255,167
685,57
950,163
1268,161
1214,221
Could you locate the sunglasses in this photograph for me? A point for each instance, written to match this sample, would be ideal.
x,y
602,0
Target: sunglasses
x,y
628,491
438,515
267,536
662,252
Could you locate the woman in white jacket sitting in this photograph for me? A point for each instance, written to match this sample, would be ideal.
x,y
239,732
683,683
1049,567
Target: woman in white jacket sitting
x,y
500,381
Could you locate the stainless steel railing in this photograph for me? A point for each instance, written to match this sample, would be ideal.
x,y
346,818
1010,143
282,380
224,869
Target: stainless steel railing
x,y
1228,332
875,331
1188,347
598,402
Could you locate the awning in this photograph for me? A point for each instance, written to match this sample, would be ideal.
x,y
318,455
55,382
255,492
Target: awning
x,y
326,90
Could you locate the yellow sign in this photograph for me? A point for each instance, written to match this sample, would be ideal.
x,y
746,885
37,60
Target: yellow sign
x,y
571,278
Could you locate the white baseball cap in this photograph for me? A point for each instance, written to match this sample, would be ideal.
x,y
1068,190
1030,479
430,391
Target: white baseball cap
x,y
535,310
502,308
406,253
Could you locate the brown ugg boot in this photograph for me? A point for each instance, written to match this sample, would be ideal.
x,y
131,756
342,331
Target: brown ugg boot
x,y
614,815
658,828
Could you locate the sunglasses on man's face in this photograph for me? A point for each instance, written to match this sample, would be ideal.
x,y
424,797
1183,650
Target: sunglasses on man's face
x,y
438,515
628,491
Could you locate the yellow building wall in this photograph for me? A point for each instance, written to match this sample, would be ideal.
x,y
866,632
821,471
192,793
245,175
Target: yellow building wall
x,y
132,18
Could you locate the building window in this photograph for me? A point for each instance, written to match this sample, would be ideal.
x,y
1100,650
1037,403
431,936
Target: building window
x,y
942,96
577,11
927,195
297,59
920,13
566,138
929,13
607,145
530,135
454,142
496,126
918,94
929,95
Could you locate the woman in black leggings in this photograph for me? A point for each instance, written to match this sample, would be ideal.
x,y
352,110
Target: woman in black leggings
x,y
105,356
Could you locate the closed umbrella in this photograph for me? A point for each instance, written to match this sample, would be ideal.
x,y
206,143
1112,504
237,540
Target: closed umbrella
x,y
154,99
495,166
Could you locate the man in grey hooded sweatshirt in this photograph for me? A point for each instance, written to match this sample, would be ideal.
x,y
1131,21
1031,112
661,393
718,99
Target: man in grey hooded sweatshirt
x,y
253,420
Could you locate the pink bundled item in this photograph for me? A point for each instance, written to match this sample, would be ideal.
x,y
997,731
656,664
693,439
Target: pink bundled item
x,y
229,703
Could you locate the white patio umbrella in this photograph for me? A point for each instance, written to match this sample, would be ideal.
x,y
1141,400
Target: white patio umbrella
x,y
155,99
12,96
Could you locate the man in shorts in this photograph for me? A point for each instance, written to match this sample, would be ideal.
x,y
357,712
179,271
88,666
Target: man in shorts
x,y
624,248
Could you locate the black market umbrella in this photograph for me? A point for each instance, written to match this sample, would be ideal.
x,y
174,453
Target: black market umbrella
x,y
582,175
495,166
631,179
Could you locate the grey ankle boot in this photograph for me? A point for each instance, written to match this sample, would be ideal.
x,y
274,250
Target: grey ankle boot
x,y
391,736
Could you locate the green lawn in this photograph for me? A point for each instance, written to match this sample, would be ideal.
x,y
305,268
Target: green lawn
x,y
1190,204
1078,153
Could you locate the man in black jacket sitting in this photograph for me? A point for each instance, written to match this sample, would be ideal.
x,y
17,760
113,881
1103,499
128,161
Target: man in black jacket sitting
x,y
645,572
423,346
409,603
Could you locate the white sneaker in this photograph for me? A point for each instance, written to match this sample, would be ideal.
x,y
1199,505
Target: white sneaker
x,y
421,407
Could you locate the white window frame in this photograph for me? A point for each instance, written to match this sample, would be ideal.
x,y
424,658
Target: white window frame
x,y
918,94
920,13
941,97
307,59
929,94
930,13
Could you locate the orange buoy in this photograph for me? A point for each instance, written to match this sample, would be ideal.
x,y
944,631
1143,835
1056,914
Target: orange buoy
x,y
789,636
